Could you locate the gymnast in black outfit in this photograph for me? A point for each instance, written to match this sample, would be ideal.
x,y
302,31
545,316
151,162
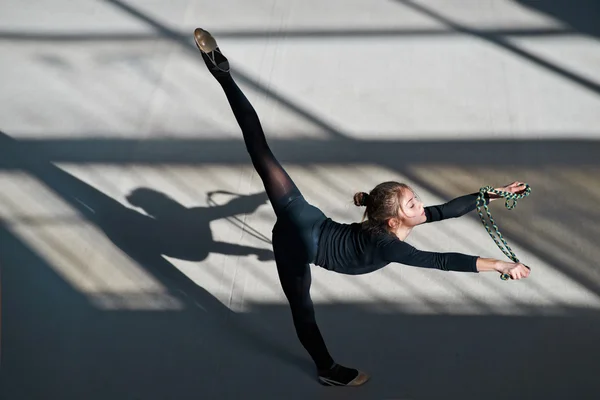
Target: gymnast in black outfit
x,y
303,235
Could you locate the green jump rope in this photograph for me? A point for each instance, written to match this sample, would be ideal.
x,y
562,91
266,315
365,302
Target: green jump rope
x,y
511,203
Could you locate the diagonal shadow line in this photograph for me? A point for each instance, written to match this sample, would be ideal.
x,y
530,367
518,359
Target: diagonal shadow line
x,y
586,83
243,78
287,34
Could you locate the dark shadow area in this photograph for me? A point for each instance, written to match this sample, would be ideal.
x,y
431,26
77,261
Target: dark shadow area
x,y
375,33
184,233
581,16
491,152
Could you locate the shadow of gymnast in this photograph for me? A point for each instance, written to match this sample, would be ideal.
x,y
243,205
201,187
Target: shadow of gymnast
x,y
185,233
169,229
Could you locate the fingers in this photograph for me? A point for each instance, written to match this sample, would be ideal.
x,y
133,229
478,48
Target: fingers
x,y
516,275
515,187
517,184
521,271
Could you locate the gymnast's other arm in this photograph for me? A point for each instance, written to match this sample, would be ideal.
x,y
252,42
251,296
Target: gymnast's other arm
x,y
404,253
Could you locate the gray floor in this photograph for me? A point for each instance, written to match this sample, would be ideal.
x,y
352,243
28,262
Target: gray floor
x,y
135,234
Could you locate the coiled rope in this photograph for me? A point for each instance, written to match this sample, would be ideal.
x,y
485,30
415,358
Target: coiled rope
x,y
510,197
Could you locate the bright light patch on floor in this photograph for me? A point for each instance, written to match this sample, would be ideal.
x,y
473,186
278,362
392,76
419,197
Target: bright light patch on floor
x,y
76,250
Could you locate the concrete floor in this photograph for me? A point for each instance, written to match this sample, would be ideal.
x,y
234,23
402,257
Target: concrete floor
x,y
135,234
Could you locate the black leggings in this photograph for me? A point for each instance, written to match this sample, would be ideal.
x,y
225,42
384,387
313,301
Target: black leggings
x,y
296,231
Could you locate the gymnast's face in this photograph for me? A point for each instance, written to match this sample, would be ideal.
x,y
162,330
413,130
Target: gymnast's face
x,y
412,211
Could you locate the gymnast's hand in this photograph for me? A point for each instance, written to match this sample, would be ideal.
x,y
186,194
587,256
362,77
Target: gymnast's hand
x,y
514,270
515,187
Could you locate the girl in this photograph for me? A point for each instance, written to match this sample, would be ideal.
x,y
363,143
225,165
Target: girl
x,y
303,235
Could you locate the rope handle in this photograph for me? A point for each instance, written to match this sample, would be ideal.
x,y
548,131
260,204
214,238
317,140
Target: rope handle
x,y
235,221
510,204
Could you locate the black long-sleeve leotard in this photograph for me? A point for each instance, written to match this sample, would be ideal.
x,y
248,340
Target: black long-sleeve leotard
x,y
352,250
